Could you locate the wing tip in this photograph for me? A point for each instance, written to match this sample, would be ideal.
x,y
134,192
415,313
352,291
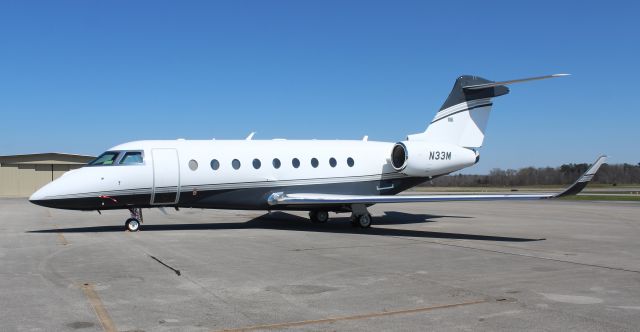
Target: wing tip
x,y
584,179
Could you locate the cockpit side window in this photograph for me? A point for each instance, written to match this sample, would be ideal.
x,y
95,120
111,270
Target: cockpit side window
x,y
105,159
131,158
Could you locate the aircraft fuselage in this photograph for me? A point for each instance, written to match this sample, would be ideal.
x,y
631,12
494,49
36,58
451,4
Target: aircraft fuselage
x,y
234,174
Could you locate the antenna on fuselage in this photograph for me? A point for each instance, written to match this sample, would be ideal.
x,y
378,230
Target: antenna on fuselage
x,y
250,137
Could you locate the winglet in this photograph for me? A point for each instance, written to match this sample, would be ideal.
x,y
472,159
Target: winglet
x,y
582,182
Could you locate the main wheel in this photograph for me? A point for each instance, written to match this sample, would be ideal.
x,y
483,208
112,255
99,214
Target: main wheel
x,y
364,221
319,216
132,224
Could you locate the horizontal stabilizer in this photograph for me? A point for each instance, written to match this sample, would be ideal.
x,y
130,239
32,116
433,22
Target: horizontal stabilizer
x,y
494,84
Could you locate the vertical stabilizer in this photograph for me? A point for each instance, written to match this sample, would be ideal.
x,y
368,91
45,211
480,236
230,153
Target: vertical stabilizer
x,y
462,119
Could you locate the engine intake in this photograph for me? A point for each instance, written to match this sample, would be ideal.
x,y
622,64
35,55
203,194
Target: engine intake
x,y
399,157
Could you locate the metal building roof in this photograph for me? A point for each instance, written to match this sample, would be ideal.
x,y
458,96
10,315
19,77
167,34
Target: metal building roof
x,y
48,158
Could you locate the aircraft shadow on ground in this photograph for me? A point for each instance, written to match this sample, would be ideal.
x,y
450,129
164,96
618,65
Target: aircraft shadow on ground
x,y
289,222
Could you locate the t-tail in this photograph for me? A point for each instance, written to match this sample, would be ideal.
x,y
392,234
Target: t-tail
x,y
462,119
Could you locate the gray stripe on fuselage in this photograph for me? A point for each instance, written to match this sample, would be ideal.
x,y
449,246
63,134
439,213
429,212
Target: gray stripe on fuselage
x,y
256,198
238,185
241,199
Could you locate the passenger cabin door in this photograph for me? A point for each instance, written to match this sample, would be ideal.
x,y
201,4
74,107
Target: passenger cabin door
x,y
166,176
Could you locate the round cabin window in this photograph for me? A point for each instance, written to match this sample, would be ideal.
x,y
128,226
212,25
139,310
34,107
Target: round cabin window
x,y
235,164
333,162
276,163
215,164
193,165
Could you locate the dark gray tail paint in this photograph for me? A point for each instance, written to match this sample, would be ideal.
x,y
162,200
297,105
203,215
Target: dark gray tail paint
x,y
459,95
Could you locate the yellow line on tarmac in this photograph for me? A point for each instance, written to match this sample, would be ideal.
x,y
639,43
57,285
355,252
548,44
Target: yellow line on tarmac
x,y
355,317
62,240
98,308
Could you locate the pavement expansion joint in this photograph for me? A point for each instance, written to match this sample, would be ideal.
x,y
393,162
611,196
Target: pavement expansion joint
x,y
526,255
353,317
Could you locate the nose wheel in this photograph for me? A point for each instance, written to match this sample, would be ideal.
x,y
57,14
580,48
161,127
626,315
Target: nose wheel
x,y
133,224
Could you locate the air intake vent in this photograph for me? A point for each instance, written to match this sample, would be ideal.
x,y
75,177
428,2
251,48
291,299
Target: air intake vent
x,y
399,156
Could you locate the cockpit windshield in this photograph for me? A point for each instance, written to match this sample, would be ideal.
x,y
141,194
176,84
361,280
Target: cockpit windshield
x,y
110,158
131,158
105,159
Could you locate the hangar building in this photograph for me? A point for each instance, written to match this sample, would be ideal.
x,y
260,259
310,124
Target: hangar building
x,y
21,175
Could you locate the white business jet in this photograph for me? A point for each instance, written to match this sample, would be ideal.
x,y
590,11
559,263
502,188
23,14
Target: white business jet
x,y
310,175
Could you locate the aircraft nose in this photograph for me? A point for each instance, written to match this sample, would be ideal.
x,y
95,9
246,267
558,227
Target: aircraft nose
x,y
38,197
46,195
59,194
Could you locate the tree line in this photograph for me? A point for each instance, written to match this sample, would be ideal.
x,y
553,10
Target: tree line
x,y
531,176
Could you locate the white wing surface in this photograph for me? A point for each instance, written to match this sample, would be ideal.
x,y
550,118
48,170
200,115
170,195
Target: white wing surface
x,y
282,198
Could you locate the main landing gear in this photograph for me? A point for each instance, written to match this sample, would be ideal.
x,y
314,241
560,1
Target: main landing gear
x,y
360,217
133,224
319,216
362,221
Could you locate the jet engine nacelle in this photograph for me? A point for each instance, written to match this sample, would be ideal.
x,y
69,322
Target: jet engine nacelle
x,y
419,158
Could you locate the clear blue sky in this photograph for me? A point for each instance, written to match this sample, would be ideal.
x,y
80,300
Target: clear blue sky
x,y
82,76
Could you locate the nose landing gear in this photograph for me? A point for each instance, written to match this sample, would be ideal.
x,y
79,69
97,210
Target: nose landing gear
x,y
133,224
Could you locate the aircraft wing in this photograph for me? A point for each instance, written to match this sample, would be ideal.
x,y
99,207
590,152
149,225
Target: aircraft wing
x,y
282,198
